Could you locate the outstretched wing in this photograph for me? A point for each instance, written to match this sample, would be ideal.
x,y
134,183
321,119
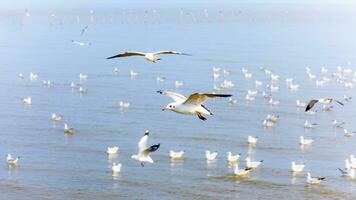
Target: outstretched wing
x,y
198,98
151,149
175,96
311,104
142,144
128,53
171,52
339,102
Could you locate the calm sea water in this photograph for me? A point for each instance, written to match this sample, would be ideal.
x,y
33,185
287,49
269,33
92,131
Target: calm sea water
x,y
56,166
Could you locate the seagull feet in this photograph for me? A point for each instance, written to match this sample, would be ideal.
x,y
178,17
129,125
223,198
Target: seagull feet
x,y
201,117
142,164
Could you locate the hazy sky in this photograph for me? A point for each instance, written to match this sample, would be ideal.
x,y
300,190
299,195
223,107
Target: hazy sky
x,y
17,5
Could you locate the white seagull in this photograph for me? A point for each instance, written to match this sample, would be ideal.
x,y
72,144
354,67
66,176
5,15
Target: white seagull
x,y
210,155
56,118
27,100
67,129
297,168
324,101
337,124
116,168
307,124
81,43
253,164
232,158
144,151
347,173
112,150
241,172
304,141
191,105
151,57
252,140
176,154
314,180
12,161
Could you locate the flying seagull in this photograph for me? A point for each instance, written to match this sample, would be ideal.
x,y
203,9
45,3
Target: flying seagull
x,y
85,29
191,105
144,151
151,57
324,101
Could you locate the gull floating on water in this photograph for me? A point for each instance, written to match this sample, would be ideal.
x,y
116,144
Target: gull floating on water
x,y
178,84
210,155
324,101
300,104
82,90
253,164
252,140
144,151
314,180
348,133
112,150
151,57
124,105
304,141
160,79
307,124
27,100
116,168
232,101
191,105
268,124
338,124
56,118
67,129
297,168
80,43
33,76
272,118
232,158
83,76
12,161
21,76
176,154
241,172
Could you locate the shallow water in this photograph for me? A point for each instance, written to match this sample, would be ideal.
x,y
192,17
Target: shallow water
x,y
58,166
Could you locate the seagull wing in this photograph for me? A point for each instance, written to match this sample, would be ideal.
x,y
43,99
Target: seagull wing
x,y
128,53
142,144
171,52
198,98
151,149
311,104
175,96
339,102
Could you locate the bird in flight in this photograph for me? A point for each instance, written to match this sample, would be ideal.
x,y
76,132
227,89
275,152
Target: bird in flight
x,y
192,105
324,101
85,29
151,57
144,151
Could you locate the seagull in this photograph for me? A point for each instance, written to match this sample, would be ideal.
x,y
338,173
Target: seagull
x,y
300,104
348,133
116,168
268,124
178,84
124,105
191,105
297,168
21,76
305,141
83,76
252,140
67,129
325,101
337,124
232,101
27,100
272,118
81,43
82,90
56,118
33,76
307,124
253,164
210,156
160,79
232,158
133,74
241,172
144,151
112,150
12,161
151,57
314,180
347,173
348,99
176,154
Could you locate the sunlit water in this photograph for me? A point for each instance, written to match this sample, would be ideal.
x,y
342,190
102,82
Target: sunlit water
x,y
57,166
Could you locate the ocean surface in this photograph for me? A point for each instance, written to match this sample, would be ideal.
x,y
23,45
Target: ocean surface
x,y
54,165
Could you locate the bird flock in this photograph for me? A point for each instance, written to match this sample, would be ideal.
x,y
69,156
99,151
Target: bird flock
x,y
192,104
